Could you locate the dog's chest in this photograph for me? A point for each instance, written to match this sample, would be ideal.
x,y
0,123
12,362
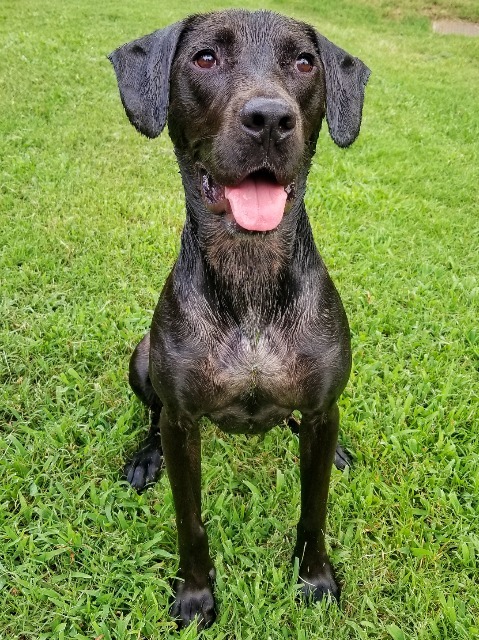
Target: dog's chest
x,y
261,361
253,380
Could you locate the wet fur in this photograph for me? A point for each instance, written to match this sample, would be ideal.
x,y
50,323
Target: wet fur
x,y
249,326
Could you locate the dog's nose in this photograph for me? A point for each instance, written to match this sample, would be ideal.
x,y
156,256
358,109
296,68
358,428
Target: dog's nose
x,y
268,119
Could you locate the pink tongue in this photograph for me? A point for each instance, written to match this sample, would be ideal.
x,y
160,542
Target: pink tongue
x,y
257,205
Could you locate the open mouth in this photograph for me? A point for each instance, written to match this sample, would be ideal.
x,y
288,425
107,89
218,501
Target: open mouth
x,y
257,203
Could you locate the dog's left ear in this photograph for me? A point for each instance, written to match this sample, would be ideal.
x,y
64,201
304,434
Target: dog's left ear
x,y
142,70
346,78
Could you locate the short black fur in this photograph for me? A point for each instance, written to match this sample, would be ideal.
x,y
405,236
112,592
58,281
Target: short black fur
x,y
249,325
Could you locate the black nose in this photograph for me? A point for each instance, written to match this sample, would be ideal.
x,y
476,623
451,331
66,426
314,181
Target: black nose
x,y
268,119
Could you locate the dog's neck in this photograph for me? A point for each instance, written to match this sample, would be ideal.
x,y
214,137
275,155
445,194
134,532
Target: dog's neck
x,y
248,276
251,277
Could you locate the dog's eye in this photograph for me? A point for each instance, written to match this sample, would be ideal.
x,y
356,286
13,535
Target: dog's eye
x,y
304,63
205,59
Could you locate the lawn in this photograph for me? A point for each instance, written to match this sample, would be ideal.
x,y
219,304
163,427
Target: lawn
x,y
91,215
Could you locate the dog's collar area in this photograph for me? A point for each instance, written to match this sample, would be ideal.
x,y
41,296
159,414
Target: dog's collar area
x,y
256,203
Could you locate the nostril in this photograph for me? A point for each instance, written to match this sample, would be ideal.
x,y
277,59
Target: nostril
x,y
253,119
287,123
257,121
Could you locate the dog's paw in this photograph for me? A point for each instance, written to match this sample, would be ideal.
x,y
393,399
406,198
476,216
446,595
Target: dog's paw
x,y
342,459
191,603
145,466
316,585
316,576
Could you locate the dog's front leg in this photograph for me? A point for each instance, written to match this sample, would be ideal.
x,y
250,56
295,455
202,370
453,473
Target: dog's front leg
x,y
194,587
317,442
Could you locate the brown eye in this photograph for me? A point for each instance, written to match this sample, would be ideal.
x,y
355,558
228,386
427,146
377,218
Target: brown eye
x,y
205,59
304,63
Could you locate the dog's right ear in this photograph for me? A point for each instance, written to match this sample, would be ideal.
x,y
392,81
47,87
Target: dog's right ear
x,y
142,70
346,78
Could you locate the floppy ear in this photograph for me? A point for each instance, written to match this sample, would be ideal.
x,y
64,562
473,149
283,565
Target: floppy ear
x,y
346,78
142,70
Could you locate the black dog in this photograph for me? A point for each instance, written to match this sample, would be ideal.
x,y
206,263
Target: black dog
x,y
249,325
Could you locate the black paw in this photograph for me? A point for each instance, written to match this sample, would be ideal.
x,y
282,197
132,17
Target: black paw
x,y
145,466
315,587
342,459
191,603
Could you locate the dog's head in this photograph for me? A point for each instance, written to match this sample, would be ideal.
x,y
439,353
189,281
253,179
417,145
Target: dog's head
x,y
244,94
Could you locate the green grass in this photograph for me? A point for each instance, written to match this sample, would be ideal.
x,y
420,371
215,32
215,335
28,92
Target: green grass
x,y
90,219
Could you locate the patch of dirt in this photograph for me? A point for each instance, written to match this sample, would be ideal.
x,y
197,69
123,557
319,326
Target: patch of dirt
x,y
456,27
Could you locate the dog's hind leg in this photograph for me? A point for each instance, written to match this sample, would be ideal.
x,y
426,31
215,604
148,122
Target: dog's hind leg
x,y
342,458
145,466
